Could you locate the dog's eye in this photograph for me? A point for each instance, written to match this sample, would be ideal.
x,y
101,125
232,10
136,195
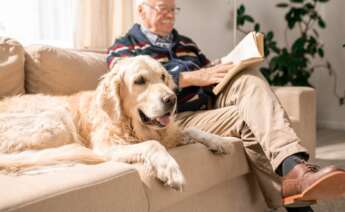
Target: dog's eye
x,y
140,81
163,77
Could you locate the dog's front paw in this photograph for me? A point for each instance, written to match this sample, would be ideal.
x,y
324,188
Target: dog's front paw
x,y
171,175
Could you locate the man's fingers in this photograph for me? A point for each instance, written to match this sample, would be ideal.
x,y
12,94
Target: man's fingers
x,y
220,75
213,75
219,70
223,68
228,66
218,79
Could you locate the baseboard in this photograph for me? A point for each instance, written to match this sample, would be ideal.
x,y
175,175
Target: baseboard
x,y
331,125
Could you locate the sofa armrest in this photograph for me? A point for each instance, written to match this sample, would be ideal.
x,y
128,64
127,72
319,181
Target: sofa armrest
x,y
300,104
110,186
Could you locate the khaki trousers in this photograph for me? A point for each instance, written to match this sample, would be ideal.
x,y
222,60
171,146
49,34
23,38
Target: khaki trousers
x,y
248,108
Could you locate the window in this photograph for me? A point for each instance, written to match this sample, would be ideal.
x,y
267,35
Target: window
x,y
39,21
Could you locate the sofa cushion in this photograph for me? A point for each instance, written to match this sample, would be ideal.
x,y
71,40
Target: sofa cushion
x,y
58,71
110,186
105,187
11,67
202,170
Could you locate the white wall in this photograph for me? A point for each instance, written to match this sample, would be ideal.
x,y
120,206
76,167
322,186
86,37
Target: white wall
x,y
330,114
207,23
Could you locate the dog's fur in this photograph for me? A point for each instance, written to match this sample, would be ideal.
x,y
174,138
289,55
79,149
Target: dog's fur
x,y
128,118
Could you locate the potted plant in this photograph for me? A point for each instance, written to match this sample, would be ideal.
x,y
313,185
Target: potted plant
x,y
293,64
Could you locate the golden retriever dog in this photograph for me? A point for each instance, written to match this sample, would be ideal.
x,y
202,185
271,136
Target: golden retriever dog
x,y
128,118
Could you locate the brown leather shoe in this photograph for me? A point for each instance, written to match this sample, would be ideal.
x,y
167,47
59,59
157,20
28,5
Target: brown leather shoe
x,y
306,183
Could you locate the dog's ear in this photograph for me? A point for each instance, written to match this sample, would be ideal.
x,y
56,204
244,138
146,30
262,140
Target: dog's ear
x,y
108,95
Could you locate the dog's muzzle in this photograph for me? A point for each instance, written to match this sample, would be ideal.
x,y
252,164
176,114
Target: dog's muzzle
x,y
160,121
169,103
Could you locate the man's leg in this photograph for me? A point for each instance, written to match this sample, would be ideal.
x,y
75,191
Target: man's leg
x,y
261,110
226,122
259,107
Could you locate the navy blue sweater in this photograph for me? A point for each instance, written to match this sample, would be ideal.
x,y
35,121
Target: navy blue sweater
x,y
184,55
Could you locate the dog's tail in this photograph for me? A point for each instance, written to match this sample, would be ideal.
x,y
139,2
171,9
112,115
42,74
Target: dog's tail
x,y
17,163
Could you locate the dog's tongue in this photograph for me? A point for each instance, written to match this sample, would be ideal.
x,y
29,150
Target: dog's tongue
x,y
164,120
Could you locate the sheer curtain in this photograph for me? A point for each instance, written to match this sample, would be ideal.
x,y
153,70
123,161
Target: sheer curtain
x,y
39,21
101,21
84,24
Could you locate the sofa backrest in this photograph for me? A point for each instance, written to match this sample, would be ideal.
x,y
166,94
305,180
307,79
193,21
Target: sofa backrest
x,y
48,70
58,71
11,67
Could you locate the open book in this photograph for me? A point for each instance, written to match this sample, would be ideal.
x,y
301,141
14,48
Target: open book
x,y
249,52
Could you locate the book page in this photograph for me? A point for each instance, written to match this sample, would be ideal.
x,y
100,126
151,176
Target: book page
x,y
245,49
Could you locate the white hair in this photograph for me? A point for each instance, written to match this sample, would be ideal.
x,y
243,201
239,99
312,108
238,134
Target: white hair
x,y
139,2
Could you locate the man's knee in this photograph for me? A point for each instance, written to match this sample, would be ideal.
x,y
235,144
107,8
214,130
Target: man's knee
x,y
252,75
251,80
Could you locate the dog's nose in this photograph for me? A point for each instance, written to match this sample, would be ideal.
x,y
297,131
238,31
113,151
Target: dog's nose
x,y
169,100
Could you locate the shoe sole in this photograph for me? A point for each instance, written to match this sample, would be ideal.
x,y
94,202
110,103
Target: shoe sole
x,y
328,187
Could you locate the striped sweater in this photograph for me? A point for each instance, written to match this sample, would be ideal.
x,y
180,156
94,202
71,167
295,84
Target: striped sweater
x,y
184,55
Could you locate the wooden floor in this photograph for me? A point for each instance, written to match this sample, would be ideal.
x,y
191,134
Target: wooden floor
x,y
330,150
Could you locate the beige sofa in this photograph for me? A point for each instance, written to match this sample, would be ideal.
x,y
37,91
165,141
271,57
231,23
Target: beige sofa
x,y
214,182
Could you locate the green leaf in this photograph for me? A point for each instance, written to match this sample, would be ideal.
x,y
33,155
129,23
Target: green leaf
x,y
282,5
298,45
297,1
266,72
274,63
309,6
257,27
312,45
240,21
274,48
294,16
269,35
321,52
241,10
321,23
248,18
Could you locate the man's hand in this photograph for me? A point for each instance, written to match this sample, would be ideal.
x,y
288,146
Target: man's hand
x,y
205,76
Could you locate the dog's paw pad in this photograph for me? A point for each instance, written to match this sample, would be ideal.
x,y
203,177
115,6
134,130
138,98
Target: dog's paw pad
x,y
177,182
176,186
217,149
171,176
222,147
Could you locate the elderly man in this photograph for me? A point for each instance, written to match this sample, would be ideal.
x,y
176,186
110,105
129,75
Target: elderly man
x,y
246,108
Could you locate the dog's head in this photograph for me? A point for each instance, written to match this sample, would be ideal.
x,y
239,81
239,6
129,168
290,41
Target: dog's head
x,y
141,89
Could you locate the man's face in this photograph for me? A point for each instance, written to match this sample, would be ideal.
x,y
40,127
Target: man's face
x,y
158,16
